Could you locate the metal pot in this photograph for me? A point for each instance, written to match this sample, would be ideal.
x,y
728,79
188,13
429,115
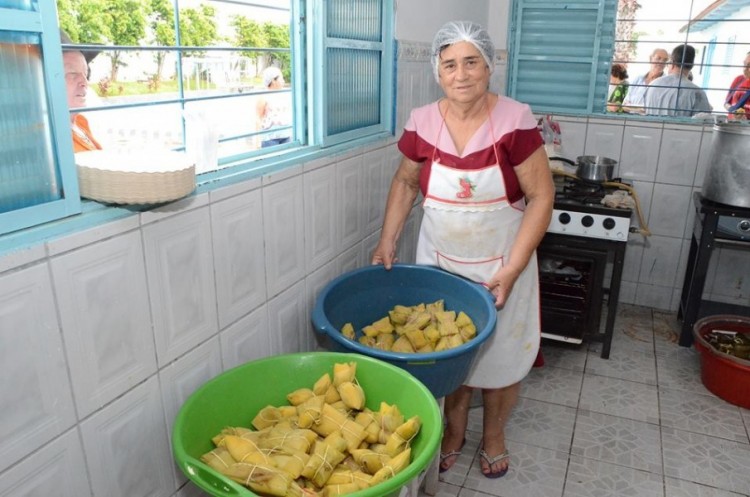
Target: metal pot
x,y
593,168
727,180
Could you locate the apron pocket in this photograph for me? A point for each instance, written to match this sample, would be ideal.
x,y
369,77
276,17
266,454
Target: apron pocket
x,y
477,269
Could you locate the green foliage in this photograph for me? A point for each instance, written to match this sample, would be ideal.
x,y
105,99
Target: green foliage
x,y
198,28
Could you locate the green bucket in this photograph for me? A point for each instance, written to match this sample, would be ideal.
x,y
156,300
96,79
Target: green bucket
x,y
235,397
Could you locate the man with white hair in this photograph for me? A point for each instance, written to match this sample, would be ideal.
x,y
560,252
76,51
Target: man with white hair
x,y
637,89
76,68
674,94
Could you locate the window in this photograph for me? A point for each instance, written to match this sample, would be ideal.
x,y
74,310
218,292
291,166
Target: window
x,y
265,80
561,52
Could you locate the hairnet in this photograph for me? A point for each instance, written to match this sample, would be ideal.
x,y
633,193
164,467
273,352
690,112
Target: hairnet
x,y
269,74
456,31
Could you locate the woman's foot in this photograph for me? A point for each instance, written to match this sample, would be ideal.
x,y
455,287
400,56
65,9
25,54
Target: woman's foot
x,y
448,457
494,459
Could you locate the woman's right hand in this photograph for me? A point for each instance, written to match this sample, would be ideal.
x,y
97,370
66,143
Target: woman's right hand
x,y
385,254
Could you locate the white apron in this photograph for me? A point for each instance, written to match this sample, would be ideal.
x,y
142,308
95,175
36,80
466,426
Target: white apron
x,y
468,228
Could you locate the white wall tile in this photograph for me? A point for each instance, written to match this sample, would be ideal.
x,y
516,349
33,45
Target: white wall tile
x,y
633,255
57,469
103,300
92,235
640,153
126,446
573,134
678,158
321,223
180,274
287,320
376,183
37,398
644,192
183,377
604,140
349,259
704,157
654,296
314,284
174,208
669,211
690,222
349,201
21,257
284,234
660,260
239,257
234,189
627,292
247,339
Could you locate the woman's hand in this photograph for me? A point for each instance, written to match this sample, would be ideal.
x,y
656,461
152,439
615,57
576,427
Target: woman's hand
x,y
502,283
385,254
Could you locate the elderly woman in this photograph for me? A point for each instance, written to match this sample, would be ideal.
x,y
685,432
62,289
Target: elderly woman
x,y
478,160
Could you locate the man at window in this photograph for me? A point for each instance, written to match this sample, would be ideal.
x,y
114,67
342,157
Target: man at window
x,y
637,89
76,67
674,94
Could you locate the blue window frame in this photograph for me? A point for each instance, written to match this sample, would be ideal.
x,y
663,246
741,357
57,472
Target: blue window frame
x,y
185,72
37,177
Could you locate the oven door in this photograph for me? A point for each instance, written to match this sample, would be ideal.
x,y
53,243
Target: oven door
x,y
571,278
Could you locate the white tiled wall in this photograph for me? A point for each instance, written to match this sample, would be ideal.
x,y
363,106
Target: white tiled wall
x,y
105,333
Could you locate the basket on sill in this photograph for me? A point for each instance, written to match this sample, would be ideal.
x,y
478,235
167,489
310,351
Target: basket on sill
x,y
137,177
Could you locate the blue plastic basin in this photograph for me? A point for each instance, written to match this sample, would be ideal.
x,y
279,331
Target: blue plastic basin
x,y
365,295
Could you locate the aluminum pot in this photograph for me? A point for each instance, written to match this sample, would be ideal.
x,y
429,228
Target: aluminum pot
x,y
727,180
594,168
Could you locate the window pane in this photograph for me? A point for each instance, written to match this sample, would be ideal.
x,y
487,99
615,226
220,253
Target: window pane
x,y
353,89
27,164
360,20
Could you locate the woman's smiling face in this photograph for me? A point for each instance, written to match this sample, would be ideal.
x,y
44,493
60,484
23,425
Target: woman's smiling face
x,y
464,75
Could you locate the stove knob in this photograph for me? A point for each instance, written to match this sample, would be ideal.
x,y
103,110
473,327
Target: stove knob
x,y
564,218
587,221
744,225
608,223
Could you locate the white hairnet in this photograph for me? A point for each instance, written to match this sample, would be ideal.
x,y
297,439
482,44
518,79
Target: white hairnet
x,y
456,31
269,74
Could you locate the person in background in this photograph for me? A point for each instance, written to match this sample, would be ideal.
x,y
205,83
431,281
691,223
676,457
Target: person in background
x,y
479,161
274,110
76,68
737,102
637,88
618,80
674,94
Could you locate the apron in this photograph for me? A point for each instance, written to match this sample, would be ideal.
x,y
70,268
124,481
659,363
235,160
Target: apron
x,y
468,228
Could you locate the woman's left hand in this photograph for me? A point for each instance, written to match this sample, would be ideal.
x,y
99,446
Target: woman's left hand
x,y
502,283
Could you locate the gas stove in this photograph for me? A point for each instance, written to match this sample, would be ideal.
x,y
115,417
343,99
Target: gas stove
x,y
578,211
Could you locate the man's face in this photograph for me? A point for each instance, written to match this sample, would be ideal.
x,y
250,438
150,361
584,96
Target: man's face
x,y
76,84
659,59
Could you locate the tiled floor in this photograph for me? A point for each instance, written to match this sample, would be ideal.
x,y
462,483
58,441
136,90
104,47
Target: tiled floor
x,y
639,424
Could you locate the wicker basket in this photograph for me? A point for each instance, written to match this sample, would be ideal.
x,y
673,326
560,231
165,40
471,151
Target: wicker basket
x,y
143,177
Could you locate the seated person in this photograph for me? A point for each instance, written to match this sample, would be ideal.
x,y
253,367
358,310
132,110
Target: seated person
x,y
737,102
76,67
274,110
617,79
634,99
674,94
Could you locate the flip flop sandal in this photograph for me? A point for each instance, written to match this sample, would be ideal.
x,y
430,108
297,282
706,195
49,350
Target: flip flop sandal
x,y
446,455
493,460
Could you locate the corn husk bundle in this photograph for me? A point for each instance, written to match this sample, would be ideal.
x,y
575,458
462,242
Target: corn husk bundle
x,y
324,443
417,329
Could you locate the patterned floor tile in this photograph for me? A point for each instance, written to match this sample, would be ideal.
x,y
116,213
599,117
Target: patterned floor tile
x,y
621,441
666,330
746,418
533,472
680,371
682,488
555,385
701,413
589,478
456,475
621,398
563,355
632,365
542,424
444,490
710,461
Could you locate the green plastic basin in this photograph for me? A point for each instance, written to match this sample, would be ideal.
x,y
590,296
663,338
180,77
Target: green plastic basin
x,y
235,397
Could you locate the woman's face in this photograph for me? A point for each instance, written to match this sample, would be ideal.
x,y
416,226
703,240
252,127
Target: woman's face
x,y
464,75
76,83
